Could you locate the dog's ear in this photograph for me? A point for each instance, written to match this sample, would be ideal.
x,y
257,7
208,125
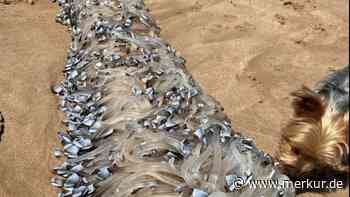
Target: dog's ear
x,y
308,103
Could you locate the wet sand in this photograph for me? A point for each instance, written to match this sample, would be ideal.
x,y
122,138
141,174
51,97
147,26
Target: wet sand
x,y
248,54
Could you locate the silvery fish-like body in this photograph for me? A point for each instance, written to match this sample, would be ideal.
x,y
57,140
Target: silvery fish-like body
x,y
58,152
57,182
199,193
137,123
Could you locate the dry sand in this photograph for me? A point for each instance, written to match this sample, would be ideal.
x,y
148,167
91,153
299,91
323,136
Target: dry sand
x,y
33,52
248,54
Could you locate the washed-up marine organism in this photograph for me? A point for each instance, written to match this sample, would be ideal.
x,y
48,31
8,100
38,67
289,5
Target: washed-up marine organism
x,y
137,123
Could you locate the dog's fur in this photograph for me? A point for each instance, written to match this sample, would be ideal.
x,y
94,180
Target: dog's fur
x,y
316,138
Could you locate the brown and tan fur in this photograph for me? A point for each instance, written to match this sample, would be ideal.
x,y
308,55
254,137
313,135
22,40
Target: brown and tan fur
x,y
316,138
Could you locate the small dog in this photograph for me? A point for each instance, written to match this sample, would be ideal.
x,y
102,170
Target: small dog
x,y
317,136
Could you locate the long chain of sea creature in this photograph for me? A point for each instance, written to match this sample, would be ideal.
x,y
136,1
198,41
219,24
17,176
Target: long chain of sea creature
x,y
137,123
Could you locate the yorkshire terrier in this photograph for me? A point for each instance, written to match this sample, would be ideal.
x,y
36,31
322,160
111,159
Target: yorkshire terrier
x,y
316,138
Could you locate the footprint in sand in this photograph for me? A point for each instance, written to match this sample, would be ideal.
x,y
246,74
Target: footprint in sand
x,y
280,19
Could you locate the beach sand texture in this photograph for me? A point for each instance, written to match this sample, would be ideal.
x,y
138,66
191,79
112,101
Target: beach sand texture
x,y
248,54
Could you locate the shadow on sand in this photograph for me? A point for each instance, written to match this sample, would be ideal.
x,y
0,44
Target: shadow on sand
x,y
2,125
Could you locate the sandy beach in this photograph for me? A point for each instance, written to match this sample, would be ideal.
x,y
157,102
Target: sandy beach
x,y
33,53
248,54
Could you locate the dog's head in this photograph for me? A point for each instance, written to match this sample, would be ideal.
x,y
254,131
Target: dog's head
x,y
315,138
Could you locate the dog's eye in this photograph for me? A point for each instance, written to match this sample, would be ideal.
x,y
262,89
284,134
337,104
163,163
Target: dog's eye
x,y
296,151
